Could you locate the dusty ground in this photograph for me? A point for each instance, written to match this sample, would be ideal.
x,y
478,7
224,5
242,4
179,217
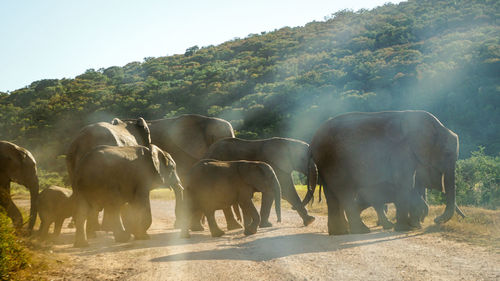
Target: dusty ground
x,y
286,251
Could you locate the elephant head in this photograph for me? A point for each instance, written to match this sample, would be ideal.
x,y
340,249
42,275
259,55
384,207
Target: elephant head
x,y
436,149
165,168
18,165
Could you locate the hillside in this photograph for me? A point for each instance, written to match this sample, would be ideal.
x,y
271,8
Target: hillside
x,y
440,56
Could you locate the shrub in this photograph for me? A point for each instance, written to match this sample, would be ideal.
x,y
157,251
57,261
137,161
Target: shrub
x,y
13,256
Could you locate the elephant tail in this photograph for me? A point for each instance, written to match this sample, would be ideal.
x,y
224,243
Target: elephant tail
x,y
277,198
312,179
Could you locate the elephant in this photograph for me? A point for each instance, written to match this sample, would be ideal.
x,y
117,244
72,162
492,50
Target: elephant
x,y
18,165
187,138
349,149
110,176
283,154
215,185
116,133
55,204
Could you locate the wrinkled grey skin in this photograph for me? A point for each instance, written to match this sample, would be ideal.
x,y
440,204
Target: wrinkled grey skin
x,y
110,176
187,138
350,148
54,205
19,166
215,185
116,133
283,154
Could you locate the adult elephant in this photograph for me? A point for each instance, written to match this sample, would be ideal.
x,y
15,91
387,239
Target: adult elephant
x,y
109,177
283,154
186,138
350,149
18,165
116,133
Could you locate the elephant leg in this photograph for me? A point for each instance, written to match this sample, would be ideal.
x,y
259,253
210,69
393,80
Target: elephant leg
x,y
265,209
195,220
92,221
290,195
356,225
80,217
178,209
12,211
337,223
249,209
382,217
143,207
118,231
43,232
230,220
106,224
402,211
212,224
247,218
57,226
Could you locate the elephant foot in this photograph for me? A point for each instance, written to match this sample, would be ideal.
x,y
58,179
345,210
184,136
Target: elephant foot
x,y
337,231
217,233
308,220
197,227
402,227
143,236
81,244
386,224
91,234
360,229
250,231
185,234
233,225
265,224
415,224
177,224
122,237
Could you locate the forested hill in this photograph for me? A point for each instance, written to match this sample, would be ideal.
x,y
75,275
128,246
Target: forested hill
x,y
439,56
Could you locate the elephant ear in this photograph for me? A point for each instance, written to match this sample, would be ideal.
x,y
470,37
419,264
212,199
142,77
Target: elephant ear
x,y
253,174
157,157
141,123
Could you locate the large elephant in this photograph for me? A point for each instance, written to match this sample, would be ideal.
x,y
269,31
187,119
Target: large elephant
x,y
215,185
116,133
19,166
110,176
283,154
350,149
187,138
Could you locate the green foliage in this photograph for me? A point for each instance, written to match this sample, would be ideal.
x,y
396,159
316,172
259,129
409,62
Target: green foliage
x,y
477,181
13,256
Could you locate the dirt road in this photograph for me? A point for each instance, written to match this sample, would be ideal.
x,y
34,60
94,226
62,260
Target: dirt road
x,y
286,251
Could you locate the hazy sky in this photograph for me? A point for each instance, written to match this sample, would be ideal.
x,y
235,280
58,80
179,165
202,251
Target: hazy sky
x,y
62,38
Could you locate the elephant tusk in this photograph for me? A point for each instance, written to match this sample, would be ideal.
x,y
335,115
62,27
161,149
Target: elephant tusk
x,y
459,211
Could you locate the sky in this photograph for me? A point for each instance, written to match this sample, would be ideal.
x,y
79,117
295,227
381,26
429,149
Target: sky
x,y
54,39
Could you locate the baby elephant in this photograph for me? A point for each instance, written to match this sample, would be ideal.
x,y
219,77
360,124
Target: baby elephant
x,y
215,185
54,205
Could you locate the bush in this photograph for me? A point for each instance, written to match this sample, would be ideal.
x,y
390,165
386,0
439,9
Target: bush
x,y
13,256
477,181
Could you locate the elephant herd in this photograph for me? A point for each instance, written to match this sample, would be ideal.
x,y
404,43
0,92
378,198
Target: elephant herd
x,y
360,159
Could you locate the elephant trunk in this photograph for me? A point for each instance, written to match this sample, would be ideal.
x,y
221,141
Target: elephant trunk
x,y
34,188
312,179
277,198
450,195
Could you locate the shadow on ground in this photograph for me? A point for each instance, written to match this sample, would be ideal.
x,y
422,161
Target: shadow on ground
x,y
268,248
